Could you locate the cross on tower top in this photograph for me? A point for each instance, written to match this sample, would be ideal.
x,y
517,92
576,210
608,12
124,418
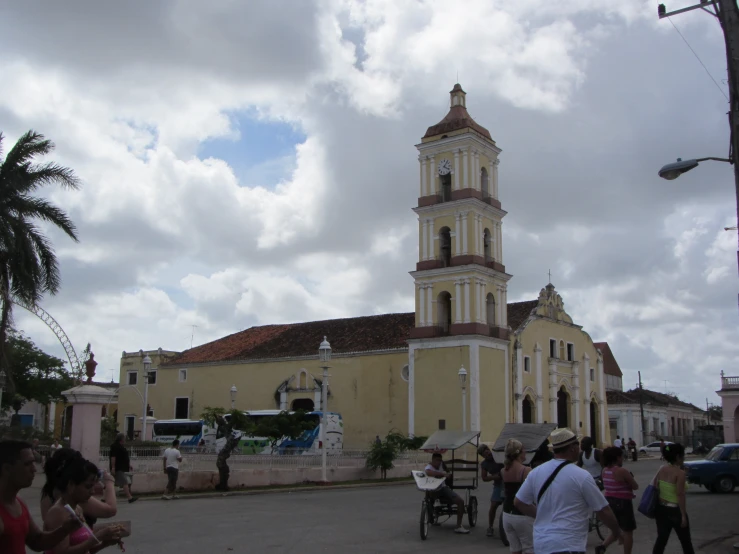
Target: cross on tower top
x,y
550,275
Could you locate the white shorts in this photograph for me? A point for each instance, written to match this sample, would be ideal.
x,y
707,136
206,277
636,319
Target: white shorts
x,y
519,531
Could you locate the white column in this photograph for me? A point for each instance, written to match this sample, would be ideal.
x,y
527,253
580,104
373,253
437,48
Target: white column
x,y
498,304
425,240
553,392
466,167
432,176
474,387
491,181
432,244
576,396
496,251
475,228
603,415
586,400
483,302
429,299
466,300
457,169
519,384
316,401
507,383
457,234
424,186
476,174
504,308
479,297
495,178
458,302
464,232
500,240
539,390
422,305
411,391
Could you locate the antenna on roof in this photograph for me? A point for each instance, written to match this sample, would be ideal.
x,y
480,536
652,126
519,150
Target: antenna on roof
x,y
192,336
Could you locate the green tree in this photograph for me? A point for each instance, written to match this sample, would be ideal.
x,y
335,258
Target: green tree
x,y
28,264
381,456
37,375
108,430
284,425
230,428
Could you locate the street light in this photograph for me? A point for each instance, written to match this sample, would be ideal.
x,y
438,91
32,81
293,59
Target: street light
x,y
324,355
233,396
147,368
675,169
463,383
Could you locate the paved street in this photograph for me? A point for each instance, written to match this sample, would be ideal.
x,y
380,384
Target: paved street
x,y
380,519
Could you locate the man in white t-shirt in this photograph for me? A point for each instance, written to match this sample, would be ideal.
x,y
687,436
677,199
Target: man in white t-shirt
x,y
618,443
562,505
171,461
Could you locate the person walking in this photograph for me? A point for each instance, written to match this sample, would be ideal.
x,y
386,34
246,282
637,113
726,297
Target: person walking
x,y
591,459
490,471
120,465
619,485
632,449
519,529
618,443
17,528
561,497
672,512
171,461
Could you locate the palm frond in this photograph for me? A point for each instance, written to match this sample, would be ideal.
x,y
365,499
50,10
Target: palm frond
x,y
29,207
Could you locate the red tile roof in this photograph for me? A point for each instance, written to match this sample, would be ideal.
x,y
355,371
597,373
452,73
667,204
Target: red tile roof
x,y
610,365
518,312
356,334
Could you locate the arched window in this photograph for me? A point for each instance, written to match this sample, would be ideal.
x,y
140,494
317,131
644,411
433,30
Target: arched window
x,y
527,410
445,246
444,312
490,309
487,242
563,402
302,379
446,187
405,373
484,186
561,350
305,404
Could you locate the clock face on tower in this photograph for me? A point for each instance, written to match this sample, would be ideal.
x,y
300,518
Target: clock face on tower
x,y
445,167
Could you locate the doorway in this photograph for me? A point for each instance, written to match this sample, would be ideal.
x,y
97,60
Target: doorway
x,y
563,402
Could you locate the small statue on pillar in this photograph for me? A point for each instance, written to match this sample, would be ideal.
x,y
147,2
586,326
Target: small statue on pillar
x,y
90,366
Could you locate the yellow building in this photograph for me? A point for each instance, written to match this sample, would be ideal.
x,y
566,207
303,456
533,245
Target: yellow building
x,y
525,361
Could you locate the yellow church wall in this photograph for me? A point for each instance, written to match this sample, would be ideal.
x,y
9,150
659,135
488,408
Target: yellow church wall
x,y
368,391
437,391
492,393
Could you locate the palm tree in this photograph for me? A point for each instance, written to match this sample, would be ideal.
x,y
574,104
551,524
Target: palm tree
x,y
28,265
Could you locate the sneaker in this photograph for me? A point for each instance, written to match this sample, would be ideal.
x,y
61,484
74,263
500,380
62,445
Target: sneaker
x,y
462,530
166,497
133,499
490,532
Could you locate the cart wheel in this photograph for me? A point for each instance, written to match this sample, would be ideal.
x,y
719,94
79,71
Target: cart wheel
x,y
501,532
425,520
472,511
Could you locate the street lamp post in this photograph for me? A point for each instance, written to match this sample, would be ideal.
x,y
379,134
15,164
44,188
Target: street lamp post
x,y
324,355
675,169
233,392
463,383
147,369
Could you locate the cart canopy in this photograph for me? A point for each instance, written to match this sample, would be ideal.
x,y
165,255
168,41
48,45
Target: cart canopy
x,y
450,440
531,435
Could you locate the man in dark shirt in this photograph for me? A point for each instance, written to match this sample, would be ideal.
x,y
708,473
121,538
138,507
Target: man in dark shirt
x,y
120,466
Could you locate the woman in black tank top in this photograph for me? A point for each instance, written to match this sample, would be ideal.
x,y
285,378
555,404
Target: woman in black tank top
x,y
518,527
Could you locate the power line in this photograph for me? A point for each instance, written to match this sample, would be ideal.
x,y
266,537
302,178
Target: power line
x,y
698,58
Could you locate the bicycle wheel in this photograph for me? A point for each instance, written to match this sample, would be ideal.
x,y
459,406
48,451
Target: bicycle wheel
x,y
425,518
598,527
472,511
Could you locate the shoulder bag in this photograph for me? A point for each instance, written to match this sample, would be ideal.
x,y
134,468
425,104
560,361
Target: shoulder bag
x,y
650,499
549,481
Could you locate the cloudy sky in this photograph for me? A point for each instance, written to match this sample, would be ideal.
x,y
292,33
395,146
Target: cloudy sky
x,y
247,163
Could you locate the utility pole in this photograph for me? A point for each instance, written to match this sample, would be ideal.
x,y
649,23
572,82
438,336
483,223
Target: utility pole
x,y
641,409
727,12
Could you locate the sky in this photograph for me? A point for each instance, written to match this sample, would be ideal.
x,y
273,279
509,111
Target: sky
x,y
248,163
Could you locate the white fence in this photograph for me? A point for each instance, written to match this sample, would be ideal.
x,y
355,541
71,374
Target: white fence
x,y
147,459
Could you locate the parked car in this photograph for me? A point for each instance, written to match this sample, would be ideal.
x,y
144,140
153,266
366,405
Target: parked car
x,y
653,447
718,471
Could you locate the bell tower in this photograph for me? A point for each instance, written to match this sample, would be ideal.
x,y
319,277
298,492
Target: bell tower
x,y
460,278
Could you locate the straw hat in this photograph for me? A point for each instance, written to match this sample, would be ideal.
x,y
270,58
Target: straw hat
x,y
562,437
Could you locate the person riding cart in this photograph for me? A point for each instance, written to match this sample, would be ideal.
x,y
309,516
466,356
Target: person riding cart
x,y
444,493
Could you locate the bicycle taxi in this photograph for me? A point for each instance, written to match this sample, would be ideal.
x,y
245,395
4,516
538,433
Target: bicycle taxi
x,y
464,476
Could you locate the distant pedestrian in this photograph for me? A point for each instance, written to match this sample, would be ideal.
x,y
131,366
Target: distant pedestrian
x,y
632,449
17,528
378,442
618,443
661,449
54,447
561,497
490,471
120,466
171,461
672,511
519,528
619,486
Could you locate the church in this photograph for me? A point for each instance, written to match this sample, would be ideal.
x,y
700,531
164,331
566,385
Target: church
x,y
465,358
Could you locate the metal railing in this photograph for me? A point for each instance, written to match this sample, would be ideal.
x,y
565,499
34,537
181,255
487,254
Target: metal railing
x,y
148,459
728,383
